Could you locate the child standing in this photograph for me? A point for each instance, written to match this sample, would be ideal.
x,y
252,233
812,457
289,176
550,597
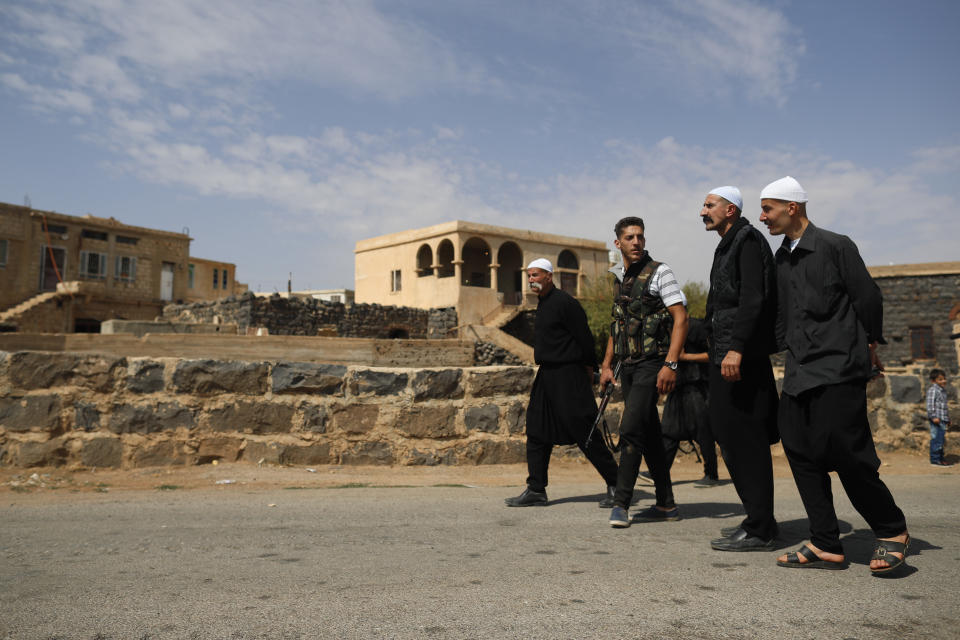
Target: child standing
x,y
938,416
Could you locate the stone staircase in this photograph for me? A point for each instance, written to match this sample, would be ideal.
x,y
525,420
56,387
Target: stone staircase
x,y
63,289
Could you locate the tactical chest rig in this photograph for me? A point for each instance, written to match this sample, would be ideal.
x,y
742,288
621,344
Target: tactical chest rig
x,y
641,324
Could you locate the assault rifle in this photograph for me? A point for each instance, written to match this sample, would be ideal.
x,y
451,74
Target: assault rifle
x,y
600,420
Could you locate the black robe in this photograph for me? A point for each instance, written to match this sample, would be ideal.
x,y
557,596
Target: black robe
x,y
562,405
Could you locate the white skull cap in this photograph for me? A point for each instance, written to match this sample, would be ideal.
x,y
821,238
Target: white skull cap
x,y
786,188
730,194
541,263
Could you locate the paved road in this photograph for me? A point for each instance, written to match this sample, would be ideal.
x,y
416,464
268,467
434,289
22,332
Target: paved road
x,y
453,562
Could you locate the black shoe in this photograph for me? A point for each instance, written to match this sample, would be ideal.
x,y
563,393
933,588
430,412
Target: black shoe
x,y
726,532
653,514
742,541
529,498
606,502
940,463
707,481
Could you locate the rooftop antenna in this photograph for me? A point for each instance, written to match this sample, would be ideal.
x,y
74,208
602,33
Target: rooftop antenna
x,y
290,284
186,231
26,201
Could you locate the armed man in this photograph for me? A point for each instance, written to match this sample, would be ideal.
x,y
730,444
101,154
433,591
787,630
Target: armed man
x,y
647,334
741,313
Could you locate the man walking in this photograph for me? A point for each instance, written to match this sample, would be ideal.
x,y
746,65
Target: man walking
x,y
562,406
647,334
741,312
831,313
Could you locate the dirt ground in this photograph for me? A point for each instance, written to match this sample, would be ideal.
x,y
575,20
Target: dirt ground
x,y
55,484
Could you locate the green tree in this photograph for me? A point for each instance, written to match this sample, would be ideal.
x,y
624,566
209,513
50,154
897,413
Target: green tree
x,y
696,293
596,298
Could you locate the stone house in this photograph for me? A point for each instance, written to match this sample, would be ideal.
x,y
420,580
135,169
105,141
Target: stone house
x,y
476,268
921,304
61,273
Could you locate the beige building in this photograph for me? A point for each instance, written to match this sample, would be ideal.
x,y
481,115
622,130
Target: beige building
x,y
477,268
62,273
211,280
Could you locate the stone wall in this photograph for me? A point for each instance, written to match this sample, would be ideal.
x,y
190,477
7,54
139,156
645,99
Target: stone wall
x,y
103,411
108,411
916,301
309,317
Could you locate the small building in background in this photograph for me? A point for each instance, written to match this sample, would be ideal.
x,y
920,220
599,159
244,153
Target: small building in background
x,y
342,296
211,280
63,274
476,268
921,306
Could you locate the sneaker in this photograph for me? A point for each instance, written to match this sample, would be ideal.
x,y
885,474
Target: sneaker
x,y
606,502
653,514
619,517
940,463
529,498
707,481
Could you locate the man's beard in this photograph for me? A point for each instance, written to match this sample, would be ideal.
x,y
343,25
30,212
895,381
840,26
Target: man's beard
x,y
535,286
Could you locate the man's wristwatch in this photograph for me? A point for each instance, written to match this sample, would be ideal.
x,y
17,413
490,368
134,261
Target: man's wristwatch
x,y
671,365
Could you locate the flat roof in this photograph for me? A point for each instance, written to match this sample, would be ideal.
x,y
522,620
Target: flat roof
x,y
91,221
920,269
464,227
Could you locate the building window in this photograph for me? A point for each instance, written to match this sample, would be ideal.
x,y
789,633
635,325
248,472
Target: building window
x,y
921,343
56,229
224,279
335,299
93,265
125,268
93,235
190,273
127,240
216,278
3,253
395,280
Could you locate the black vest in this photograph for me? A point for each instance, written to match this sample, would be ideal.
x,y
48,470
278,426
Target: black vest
x,y
724,298
641,324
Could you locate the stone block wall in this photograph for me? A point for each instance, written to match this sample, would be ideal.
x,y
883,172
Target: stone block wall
x,y
103,411
309,317
106,411
919,301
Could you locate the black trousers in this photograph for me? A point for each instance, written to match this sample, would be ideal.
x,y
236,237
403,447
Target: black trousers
x,y
640,435
743,415
538,461
826,429
708,450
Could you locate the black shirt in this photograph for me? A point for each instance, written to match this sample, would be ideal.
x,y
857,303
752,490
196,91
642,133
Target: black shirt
x,y
829,311
561,333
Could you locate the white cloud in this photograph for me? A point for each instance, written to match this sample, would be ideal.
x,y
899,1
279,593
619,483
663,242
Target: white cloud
x,y
46,98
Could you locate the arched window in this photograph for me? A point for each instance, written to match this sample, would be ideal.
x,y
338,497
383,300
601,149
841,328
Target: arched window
x,y
424,261
568,260
569,269
510,273
476,263
445,259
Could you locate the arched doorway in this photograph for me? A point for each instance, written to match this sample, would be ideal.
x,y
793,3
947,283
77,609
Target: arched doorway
x,y
424,261
569,270
445,259
510,273
476,264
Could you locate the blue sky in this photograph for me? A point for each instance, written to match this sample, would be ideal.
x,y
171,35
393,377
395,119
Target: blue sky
x,y
280,133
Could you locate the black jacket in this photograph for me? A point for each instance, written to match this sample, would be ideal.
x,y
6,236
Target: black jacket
x,y
742,303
